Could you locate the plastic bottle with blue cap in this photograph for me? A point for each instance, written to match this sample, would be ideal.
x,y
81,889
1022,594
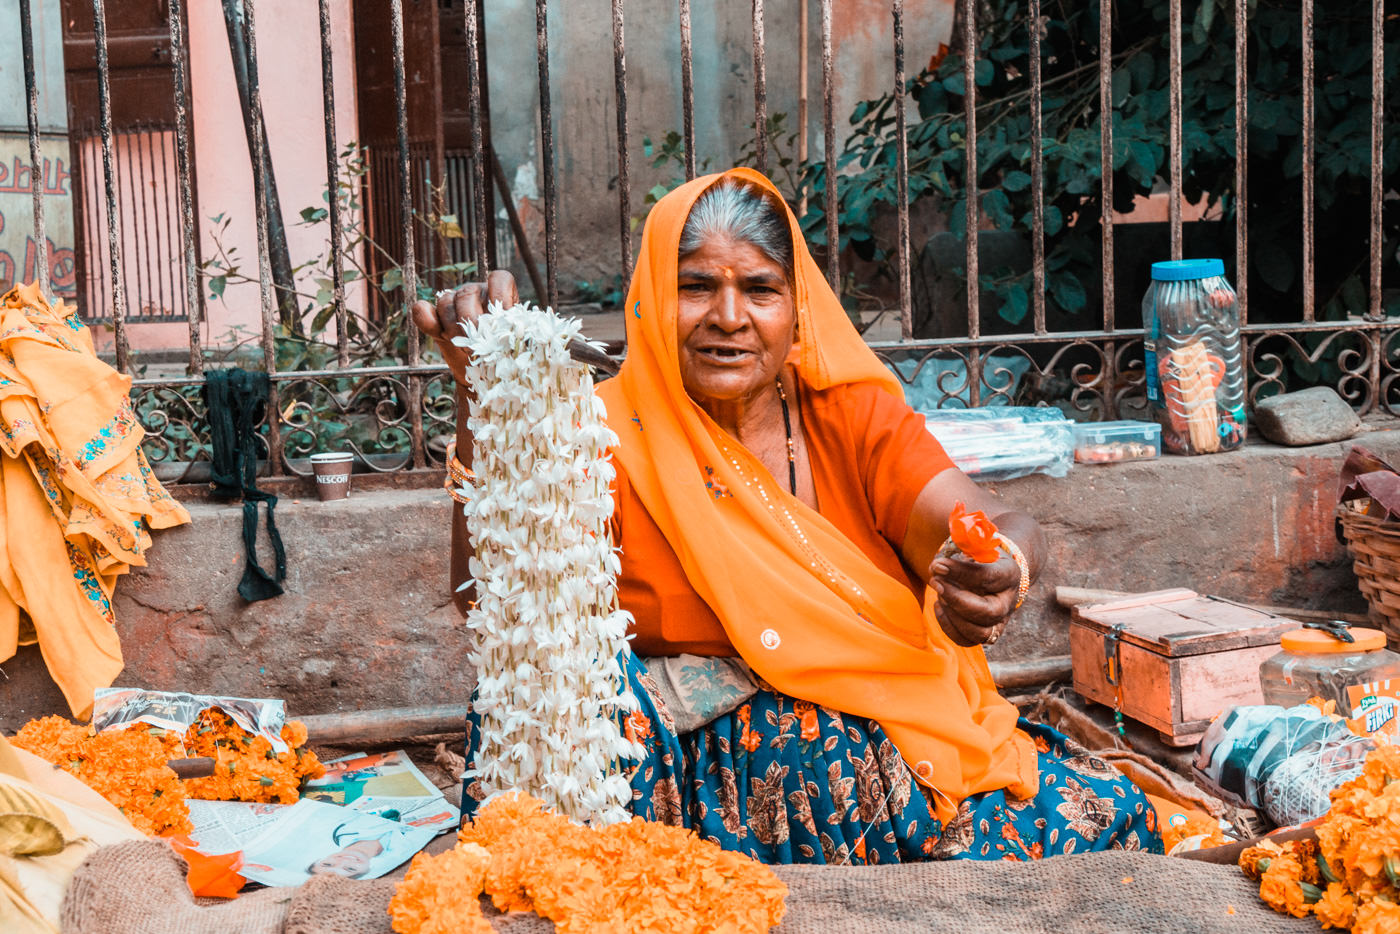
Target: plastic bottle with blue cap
x,y
1194,357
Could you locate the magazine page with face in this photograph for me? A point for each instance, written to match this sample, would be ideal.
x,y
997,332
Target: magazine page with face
x,y
313,837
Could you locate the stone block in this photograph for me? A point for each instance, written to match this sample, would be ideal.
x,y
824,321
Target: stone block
x,y
1308,416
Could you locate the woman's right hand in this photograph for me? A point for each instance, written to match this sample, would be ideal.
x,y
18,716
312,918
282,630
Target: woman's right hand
x,y
460,306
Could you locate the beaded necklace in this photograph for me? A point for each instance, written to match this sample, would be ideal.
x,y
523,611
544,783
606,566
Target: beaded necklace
x,y
791,451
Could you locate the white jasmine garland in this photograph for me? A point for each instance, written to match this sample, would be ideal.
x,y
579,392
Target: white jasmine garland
x,y
549,632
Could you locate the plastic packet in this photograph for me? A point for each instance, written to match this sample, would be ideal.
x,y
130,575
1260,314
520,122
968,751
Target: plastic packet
x,y
1284,761
1005,442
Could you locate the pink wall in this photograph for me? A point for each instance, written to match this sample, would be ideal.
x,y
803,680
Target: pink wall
x,y
289,64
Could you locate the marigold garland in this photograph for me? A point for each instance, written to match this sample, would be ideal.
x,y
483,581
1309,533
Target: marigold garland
x,y
632,876
442,894
128,766
1349,877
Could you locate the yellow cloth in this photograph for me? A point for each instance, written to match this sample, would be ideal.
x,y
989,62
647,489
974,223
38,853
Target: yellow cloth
x,y
74,489
803,605
49,823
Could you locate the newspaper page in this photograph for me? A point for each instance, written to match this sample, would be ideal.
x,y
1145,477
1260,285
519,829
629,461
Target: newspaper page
x,y
117,708
286,844
228,826
385,784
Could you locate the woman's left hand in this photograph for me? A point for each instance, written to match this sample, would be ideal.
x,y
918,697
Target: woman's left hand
x,y
975,600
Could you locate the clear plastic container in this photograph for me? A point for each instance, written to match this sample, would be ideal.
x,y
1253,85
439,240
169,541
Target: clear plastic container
x,y
1362,676
1115,442
1193,357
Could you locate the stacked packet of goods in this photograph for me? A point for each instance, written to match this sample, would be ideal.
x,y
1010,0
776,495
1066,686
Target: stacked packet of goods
x,y
1005,442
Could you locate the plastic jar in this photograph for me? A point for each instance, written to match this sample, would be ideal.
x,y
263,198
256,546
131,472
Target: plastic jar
x,y
1193,356
1362,676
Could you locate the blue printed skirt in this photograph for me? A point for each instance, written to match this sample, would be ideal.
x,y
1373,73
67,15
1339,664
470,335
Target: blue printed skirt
x,y
789,782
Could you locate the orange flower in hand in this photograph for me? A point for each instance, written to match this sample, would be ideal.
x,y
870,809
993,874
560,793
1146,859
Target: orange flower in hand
x,y
974,534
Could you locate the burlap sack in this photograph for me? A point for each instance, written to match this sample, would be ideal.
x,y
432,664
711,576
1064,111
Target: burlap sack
x,y
138,888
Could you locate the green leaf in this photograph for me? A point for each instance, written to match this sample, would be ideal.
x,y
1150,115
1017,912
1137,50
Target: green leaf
x,y
1122,85
392,280
1068,292
1145,155
312,215
1018,303
323,317
217,285
1015,181
997,207
1142,68
1054,220
984,71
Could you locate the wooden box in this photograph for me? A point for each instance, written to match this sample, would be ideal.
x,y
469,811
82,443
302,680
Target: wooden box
x,y
1173,659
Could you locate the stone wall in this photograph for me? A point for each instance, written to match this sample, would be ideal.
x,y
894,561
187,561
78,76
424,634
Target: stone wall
x,y
367,619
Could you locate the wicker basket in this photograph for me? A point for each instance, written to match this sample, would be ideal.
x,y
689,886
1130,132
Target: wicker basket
x,y
1375,551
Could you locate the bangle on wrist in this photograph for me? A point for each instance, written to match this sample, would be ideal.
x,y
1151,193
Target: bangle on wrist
x,y
1014,551
458,476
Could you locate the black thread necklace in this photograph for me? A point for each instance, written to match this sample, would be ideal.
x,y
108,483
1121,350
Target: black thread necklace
x,y
787,428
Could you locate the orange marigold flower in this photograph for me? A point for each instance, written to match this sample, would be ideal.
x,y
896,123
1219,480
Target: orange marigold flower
x,y
1280,886
441,894
750,739
1336,908
1250,858
294,733
1377,917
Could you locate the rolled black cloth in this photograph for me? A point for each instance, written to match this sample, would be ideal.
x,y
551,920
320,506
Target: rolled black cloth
x,y
236,400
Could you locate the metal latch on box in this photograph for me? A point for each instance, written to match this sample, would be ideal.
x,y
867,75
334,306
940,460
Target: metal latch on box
x,y
1111,666
1113,671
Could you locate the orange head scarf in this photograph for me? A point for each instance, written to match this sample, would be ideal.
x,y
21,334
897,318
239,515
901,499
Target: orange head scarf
x,y
802,604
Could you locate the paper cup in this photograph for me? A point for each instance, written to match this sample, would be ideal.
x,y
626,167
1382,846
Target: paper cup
x,y
332,475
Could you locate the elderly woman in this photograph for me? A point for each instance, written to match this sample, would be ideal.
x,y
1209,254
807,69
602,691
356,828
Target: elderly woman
x,y
809,666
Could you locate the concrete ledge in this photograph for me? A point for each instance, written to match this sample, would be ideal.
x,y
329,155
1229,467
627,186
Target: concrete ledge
x,y
367,621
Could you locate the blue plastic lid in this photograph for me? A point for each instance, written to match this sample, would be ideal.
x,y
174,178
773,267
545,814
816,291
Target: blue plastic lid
x,y
1178,270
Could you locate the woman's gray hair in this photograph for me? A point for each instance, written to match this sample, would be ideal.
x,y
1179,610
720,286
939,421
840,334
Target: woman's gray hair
x,y
739,212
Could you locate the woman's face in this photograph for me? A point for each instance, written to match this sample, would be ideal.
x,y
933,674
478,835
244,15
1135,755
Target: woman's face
x,y
736,321
350,861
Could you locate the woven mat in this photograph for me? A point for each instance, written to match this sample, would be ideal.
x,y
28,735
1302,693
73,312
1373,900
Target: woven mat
x,y
138,888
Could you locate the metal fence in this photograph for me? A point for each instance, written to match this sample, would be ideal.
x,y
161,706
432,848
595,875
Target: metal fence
x,y
410,404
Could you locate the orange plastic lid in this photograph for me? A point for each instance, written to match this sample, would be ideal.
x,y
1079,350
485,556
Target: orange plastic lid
x,y
1316,642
